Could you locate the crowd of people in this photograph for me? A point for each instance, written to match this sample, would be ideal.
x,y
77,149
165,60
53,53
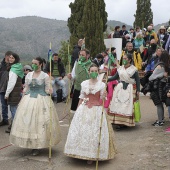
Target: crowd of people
x,y
140,36
103,88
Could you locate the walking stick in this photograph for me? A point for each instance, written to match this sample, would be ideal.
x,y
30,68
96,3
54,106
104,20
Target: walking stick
x,y
101,120
50,142
69,70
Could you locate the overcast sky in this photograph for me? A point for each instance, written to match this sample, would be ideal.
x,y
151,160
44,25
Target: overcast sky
x,y
120,10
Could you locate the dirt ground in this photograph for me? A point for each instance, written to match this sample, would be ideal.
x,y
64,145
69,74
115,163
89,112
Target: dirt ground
x,y
142,147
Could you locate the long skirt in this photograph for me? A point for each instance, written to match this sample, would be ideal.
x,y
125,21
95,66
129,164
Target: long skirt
x,y
83,136
31,125
120,119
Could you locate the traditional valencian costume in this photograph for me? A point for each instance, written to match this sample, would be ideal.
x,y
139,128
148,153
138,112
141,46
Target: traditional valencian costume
x,y
31,125
83,136
121,106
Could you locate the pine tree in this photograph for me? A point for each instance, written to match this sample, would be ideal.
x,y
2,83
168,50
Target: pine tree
x,y
91,24
144,14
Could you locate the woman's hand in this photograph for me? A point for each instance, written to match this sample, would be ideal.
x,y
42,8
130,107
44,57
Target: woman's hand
x,y
137,95
104,95
165,74
117,63
50,91
69,76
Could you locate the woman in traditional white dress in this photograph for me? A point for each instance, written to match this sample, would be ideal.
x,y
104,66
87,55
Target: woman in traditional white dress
x,y
31,125
83,136
121,110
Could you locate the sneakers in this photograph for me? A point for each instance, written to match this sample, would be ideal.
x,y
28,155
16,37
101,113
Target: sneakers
x,y
157,123
167,130
9,129
10,126
4,122
89,162
35,152
54,99
118,128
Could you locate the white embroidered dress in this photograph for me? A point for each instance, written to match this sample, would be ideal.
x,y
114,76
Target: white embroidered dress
x,y
122,100
83,136
31,125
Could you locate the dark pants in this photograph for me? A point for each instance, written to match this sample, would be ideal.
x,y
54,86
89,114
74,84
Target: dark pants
x,y
160,112
75,99
4,106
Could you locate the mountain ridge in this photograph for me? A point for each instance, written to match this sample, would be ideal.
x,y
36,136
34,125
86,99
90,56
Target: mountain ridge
x,y
30,36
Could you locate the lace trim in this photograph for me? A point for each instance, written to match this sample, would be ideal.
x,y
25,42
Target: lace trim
x,y
39,80
112,149
86,158
131,70
121,114
93,89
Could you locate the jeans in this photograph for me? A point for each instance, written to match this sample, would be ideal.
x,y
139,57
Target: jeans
x,y
60,83
4,106
169,111
160,112
13,110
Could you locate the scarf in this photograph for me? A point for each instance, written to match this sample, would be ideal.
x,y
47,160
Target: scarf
x,y
83,65
17,69
111,59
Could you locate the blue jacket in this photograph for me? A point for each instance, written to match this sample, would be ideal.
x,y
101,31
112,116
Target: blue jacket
x,y
137,43
151,65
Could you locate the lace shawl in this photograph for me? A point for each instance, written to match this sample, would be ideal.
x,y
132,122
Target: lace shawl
x,y
87,88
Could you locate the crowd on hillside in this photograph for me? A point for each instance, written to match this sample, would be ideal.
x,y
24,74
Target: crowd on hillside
x,y
103,88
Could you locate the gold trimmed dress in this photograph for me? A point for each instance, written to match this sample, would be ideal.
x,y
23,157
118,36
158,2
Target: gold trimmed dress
x,y
31,125
83,136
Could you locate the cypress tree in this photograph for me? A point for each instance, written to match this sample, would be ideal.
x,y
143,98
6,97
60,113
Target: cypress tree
x,y
63,52
88,20
74,20
144,14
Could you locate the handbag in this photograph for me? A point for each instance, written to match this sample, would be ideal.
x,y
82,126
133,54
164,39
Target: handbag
x,y
137,113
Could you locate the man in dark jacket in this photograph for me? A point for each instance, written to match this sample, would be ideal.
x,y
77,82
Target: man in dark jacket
x,y
58,73
151,50
123,32
3,85
76,50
